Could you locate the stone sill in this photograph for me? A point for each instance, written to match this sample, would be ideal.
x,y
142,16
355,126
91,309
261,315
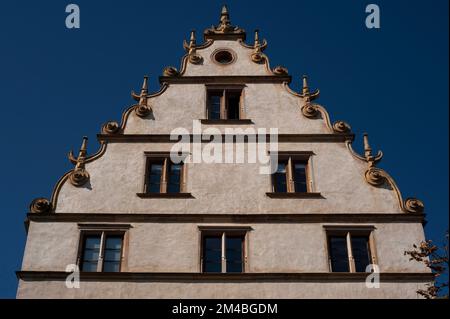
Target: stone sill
x,y
227,122
165,195
295,195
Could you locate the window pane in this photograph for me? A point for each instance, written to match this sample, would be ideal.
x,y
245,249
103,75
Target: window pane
x,y
279,179
214,106
300,177
109,266
89,266
92,242
90,255
361,252
233,107
154,177
338,254
174,178
114,242
112,255
212,254
234,253
212,267
91,250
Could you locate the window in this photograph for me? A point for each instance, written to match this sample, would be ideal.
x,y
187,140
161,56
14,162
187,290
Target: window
x,y
291,175
224,104
164,176
101,251
223,57
350,250
223,251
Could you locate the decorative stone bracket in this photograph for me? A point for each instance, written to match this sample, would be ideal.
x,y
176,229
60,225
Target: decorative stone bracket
x,y
79,176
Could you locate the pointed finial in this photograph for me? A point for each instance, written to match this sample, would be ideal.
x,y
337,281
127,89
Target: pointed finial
x,y
192,41
84,144
257,44
367,148
145,85
305,89
224,19
79,176
82,153
225,10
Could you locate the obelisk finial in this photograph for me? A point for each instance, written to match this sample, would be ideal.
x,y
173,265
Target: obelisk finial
x,y
305,89
367,148
192,41
79,176
257,44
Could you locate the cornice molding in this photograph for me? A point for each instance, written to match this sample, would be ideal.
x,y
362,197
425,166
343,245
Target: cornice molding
x,y
228,218
230,277
282,138
225,79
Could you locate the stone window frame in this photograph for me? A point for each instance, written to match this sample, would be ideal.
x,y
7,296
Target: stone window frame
x,y
164,157
223,230
348,231
209,88
104,230
291,157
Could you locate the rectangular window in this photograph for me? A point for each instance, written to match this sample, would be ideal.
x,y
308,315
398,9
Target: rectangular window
x,y
101,251
224,104
291,175
164,176
350,250
338,254
280,178
112,253
223,252
361,252
215,101
155,174
91,253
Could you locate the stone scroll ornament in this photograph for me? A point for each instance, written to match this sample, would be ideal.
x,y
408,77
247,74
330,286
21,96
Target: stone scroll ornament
x,y
142,109
40,206
111,128
378,177
79,176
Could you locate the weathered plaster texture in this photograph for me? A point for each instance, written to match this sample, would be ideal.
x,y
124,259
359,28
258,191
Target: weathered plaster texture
x,y
218,290
175,247
119,175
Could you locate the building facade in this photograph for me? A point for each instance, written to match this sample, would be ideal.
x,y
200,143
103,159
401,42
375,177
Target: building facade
x,y
293,212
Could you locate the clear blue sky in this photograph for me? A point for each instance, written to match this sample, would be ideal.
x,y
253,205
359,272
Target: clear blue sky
x,y
58,84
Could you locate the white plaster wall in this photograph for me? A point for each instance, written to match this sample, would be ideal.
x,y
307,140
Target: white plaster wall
x,y
267,105
218,290
175,247
243,64
116,177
